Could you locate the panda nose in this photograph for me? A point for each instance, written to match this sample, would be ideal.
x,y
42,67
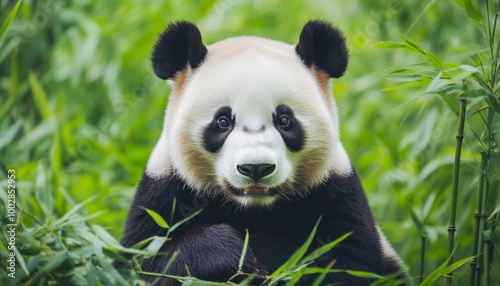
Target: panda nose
x,y
256,171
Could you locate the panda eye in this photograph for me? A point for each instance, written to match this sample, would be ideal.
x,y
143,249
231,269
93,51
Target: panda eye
x,y
284,121
223,123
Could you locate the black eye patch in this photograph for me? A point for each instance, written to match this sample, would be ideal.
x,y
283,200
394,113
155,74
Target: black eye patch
x,y
216,132
289,127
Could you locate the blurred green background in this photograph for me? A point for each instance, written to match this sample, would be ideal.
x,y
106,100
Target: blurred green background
x,y
81,110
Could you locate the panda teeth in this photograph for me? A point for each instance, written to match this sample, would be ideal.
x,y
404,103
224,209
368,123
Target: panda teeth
x,y
256,189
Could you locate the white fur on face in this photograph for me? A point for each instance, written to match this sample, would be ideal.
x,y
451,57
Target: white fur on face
x,y
252,76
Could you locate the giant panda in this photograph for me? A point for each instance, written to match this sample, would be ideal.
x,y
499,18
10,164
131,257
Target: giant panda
x,y
251,137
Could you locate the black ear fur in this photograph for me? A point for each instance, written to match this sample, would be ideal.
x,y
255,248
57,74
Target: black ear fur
x,y
323,46
177,47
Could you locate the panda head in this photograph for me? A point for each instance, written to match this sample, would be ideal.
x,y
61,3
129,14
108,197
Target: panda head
x,y
250,119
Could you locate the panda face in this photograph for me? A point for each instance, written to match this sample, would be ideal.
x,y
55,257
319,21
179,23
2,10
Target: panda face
x,y
252,123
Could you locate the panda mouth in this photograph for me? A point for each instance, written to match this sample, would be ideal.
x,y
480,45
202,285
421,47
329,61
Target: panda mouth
x,y
258,190
254,191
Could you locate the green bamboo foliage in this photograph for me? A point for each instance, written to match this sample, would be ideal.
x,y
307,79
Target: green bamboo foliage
x,y
454,194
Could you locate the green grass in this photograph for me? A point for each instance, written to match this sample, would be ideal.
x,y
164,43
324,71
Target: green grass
x,y
81,110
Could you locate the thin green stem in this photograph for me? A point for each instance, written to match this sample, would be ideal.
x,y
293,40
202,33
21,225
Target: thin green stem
x,y
482,225
475,266
423,237
477,215
454,194
494,56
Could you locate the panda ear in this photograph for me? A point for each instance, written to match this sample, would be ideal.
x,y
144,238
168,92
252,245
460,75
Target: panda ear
x,y
323,46
177,47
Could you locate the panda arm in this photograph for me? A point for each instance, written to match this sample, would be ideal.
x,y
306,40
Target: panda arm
x,y
345,209
209,252
154,194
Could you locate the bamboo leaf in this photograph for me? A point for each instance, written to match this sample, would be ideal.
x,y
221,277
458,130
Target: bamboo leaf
x,y
244,251
157,218
404,77
413,44
443,270
494,212
407,85
436,84
8,135
9,19
451,101
418,222
91,274
111,271
363,274
39,96
324,249
104,235
471,9
298,254
74,210
320,278
394,45
435,60
184,220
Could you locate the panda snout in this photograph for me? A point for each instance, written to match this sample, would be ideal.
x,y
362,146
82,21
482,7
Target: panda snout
x,y
256,171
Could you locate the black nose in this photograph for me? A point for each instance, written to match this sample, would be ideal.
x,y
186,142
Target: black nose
x,y
256,171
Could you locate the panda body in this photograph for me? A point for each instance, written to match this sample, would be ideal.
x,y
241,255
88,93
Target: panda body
x,y
251,138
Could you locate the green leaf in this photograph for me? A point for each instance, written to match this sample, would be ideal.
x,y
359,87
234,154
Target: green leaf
x,y
413,44
426,210
434,59
191,281
43,192
492,101
393,45
111,271
8,135
451,101
113,253
104,235
298,254
436,84
443,270
422,83
471,9
9,19
497,209
417,48
244,251
57,260
320,278
157,218
73,210
39,96
418,222
91,274
175,226
155,245
320,251
404,77
363,274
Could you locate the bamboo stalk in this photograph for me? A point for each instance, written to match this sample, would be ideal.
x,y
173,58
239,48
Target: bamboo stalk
x,y
454,191
486,263
477,215
423,236
482,222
